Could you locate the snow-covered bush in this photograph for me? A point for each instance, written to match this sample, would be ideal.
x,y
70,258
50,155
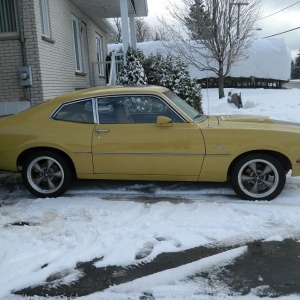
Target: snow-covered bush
x,y
167,71
132,73
173,73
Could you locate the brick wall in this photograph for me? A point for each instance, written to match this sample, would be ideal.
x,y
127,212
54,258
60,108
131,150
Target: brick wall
x,y
10,60
53,64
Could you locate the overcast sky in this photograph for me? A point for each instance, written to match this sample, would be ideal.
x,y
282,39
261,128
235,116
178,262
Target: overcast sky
x,y
282,21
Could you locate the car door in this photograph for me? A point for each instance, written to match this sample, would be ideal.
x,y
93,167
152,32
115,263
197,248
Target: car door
x,y
72,130
129,141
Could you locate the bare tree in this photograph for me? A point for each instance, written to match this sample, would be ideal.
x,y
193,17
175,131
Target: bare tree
x,y
212,35
143,30
159,33
116,37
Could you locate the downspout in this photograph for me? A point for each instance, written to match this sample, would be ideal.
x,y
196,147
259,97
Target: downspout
x,y
21,30
22,41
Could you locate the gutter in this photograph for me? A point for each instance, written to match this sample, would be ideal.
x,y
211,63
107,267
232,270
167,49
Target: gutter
x,y
21,30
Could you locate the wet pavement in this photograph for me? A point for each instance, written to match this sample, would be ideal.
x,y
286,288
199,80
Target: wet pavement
x,y
267,269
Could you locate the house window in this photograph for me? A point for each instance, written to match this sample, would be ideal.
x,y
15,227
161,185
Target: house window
x,y
8,25
77,44
100,59
44,18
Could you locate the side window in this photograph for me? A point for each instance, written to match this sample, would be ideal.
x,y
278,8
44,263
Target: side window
x,y
100,59
80,112
113,111
8,23
77,44
145,104
44,18
134,109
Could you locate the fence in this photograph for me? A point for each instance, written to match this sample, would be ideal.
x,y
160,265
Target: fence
x,y
106,72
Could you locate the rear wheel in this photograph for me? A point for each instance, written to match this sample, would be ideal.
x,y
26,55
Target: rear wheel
x,y
258,177
46,174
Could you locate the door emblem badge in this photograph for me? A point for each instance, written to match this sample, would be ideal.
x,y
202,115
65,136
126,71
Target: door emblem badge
x,y
218,146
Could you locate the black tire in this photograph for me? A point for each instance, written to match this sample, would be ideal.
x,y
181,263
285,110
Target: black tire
x,y
46,174
258,177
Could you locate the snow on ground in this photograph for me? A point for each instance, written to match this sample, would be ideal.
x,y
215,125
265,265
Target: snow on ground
x,y
283,104
85,225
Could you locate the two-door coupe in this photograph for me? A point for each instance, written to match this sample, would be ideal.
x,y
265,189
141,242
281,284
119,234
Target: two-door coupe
x,y
145,133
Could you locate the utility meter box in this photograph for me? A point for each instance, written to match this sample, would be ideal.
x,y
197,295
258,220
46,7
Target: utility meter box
x,y
25,76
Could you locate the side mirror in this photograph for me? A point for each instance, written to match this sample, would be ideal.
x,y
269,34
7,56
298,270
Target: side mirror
x,y
163,121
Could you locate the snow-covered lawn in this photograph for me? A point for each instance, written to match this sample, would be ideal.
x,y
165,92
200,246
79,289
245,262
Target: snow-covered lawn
x,y
281,104
85,225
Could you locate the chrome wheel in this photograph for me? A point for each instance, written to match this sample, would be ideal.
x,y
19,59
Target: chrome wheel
x,y
45,175
258,177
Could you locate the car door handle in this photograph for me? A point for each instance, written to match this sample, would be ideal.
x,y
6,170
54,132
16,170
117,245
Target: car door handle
x,y
101,130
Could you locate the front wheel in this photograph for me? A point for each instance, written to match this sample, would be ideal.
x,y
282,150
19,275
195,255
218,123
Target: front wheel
x,y
46,174
258,177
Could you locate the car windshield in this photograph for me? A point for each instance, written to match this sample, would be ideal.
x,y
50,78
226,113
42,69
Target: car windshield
x,y
186,108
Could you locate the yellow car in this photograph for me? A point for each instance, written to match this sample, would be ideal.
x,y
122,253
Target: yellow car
x,y
145,133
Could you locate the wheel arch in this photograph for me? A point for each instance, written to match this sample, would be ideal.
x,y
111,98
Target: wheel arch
x,y
284,160
22,157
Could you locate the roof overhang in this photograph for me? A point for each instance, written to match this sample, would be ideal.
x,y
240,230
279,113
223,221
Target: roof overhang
x,y
98,10
106,25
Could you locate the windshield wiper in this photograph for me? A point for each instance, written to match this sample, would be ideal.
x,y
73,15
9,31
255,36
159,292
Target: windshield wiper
x,y
198,116
202,116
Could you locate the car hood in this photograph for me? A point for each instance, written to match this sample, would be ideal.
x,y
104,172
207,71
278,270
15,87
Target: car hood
x,y
257,122
245,118
226,119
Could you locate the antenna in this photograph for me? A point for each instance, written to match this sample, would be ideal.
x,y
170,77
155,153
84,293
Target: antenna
x,y
206,57
208,125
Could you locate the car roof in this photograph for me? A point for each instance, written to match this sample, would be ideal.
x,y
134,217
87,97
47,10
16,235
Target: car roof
x,y
111,90
49,106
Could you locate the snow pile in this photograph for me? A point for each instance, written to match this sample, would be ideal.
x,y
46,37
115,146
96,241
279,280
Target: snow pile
x,y
267,58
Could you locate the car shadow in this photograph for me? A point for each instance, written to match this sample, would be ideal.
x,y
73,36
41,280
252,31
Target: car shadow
x,y
12,189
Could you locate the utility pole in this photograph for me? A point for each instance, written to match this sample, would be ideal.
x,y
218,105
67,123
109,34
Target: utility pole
x,y
238,20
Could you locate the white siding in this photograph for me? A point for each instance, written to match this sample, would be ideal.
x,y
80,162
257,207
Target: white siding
x,y
57,60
